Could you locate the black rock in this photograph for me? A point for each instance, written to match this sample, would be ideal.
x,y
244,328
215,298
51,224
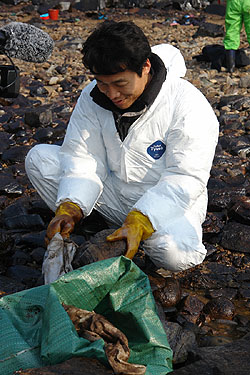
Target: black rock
x,y
39,116
220,308
191,308
7,244
66,85
218,9
181,341
228,100
9,286
216,183
61,69
44,134
62,109
98,248
209,29
59,131
40,207
16,154
24,274
84,5
5,118
212,225
38,90
20,207
33,239
229,293
18,170
240,211
5,141
236,237
31,222
230,121
246,260
219,270
228,359
219,199
23,135
170,294
38,254
20,257
244,293
8,186
236,102
14,127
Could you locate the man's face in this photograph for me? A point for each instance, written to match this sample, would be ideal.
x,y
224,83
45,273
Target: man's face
x,y
124,88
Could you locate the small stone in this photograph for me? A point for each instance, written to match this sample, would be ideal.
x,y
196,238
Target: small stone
x,y
245,82
220,308
53,81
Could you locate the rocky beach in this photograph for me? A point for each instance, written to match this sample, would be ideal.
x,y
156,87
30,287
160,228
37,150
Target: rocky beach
x,y
205,310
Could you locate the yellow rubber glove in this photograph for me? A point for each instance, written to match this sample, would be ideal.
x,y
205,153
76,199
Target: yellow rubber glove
x,y
66,216
136,228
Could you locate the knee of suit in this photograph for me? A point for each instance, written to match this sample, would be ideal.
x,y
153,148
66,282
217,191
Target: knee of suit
x,y
174,257
31,159
183,261
42,159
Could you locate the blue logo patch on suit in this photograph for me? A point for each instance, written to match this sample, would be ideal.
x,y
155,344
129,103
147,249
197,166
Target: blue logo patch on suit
x,y
156,150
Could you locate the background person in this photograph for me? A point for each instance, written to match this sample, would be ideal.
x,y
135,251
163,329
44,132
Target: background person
x,y
237,13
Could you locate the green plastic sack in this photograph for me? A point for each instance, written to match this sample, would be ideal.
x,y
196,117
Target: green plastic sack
x,y
36,331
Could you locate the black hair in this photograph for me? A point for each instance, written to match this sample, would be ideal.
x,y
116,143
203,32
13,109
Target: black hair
x,y
114,47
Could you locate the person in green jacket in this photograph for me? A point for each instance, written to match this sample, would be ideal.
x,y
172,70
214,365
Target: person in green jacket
x,y
237,13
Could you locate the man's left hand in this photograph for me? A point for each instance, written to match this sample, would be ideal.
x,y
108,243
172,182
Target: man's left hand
x,y
136,228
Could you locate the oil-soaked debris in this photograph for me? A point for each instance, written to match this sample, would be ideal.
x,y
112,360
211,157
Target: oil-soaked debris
x,y
219,308
92,327
191,308
170,294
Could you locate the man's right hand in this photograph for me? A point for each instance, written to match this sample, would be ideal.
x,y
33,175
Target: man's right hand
x,y
67,215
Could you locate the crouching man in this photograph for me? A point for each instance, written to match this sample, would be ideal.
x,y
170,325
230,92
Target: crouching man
x,y
138,148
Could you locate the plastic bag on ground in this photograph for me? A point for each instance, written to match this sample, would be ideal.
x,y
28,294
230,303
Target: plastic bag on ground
x,y
36,331
57,258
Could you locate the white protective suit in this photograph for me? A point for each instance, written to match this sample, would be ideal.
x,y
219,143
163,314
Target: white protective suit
x,y
161,168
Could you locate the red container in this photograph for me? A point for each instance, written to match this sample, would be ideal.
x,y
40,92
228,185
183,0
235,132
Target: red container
x,y
53,14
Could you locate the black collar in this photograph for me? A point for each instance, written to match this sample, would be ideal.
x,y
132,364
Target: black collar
x,y
158,72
